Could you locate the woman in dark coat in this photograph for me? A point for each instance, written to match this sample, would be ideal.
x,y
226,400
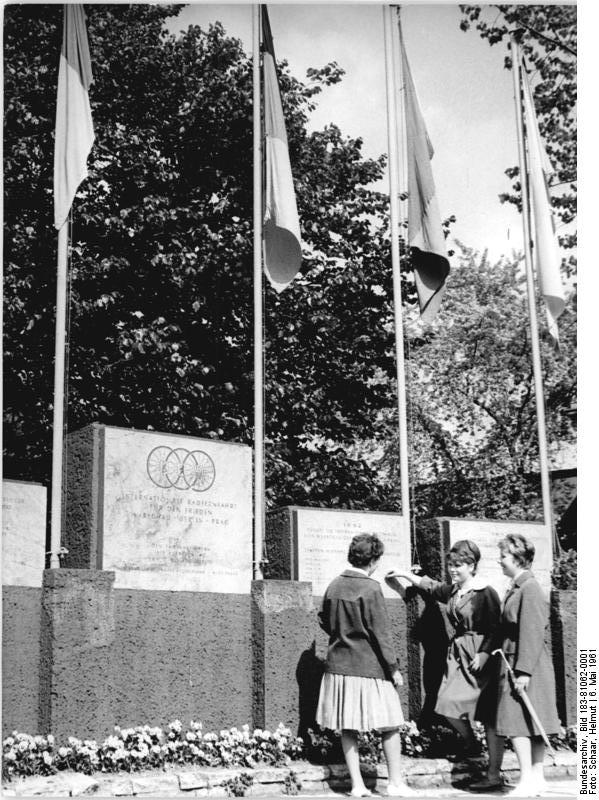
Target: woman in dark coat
x,y
524,623
359,687
467,692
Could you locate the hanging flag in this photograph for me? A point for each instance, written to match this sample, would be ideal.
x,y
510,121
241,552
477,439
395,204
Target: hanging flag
x,y
425,233
545,245
74,128
282,242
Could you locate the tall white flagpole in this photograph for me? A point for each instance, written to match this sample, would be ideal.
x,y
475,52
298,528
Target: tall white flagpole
x,y
530,286
258,312
392,134
58,410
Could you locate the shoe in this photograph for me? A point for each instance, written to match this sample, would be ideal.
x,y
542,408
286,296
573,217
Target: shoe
x,y
486,784
364,792
401,790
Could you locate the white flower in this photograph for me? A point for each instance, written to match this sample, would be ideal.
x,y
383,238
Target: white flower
x,y
8,742
64,751
112,741
176,725
23,746
47,757
50,739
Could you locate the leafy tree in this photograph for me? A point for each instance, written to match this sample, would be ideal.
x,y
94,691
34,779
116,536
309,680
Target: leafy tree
x,y
161,261
547,34
161,265
472,404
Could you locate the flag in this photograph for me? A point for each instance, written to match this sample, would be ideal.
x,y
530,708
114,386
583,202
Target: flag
x,y
282,242
74,128
546,253
425,233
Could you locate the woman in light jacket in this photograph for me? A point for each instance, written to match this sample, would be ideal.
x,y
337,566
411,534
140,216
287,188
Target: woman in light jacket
x,y
359,686
523,629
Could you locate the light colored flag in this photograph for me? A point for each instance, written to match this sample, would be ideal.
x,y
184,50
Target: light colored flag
x,y
74,128
282,242
425,233
545,245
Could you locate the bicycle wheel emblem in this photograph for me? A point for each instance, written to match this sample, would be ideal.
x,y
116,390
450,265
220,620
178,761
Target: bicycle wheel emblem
x,y
181,469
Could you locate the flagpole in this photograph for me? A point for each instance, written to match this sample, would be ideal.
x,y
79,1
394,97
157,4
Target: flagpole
x,y
530,286
395,265
258,311
58,411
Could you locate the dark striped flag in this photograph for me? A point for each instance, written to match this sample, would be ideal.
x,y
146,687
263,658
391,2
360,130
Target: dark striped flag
x,y
282,242
74,127
425,233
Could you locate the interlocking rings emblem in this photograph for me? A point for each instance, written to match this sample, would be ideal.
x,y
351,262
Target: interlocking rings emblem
x,y
181,469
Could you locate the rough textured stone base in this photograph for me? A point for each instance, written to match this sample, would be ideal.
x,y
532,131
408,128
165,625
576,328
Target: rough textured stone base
x,y
421,773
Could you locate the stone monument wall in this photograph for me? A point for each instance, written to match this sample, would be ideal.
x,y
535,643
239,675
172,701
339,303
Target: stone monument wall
x,y
23,558
162,511
21,630
23,533
311,544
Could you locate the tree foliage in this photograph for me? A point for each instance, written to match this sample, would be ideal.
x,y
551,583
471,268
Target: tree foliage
x,y
472,404
161,262
160,326
547,34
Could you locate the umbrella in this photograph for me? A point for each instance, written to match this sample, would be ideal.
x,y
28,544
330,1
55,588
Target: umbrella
x,y
526,700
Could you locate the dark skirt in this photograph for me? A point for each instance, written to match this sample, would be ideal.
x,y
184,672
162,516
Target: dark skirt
x,y
463,694
513,718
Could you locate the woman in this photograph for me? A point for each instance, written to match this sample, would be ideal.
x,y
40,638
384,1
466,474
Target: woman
x,y
524,620
473,609
359,687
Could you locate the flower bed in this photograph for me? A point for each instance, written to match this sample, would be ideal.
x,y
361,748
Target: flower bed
x,y
142,748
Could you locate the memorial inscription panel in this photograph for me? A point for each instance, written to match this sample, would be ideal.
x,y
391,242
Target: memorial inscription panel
x,y
176,512
487,535
322,538
23,533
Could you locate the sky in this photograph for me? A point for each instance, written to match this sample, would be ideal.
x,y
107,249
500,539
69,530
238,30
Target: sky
x,y
466,97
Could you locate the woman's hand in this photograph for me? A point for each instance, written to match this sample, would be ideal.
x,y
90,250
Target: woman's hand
x,y
397,679
478,662
521,683
391,578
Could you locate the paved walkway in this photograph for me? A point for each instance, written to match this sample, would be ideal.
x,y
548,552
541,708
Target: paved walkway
x,y
556,789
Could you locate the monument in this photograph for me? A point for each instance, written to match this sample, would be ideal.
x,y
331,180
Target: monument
x,y
311,544
23,533
162,511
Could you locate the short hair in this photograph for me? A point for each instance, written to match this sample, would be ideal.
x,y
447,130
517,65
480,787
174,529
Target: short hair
x,y
520,547
465,551
364,548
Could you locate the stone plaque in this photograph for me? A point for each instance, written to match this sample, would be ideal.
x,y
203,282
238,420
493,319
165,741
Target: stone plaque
x,y
23,533
167,512
487,534
321,538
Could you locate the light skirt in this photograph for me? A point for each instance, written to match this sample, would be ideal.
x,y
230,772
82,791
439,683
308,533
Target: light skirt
x,y
348,702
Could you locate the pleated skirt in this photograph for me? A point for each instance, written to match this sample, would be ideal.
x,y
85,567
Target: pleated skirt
x,y
349,702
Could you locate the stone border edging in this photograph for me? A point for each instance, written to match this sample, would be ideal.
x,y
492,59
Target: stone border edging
x,y
210,782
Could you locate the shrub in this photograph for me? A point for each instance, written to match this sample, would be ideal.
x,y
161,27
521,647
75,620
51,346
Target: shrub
x,y
131,749
565,570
